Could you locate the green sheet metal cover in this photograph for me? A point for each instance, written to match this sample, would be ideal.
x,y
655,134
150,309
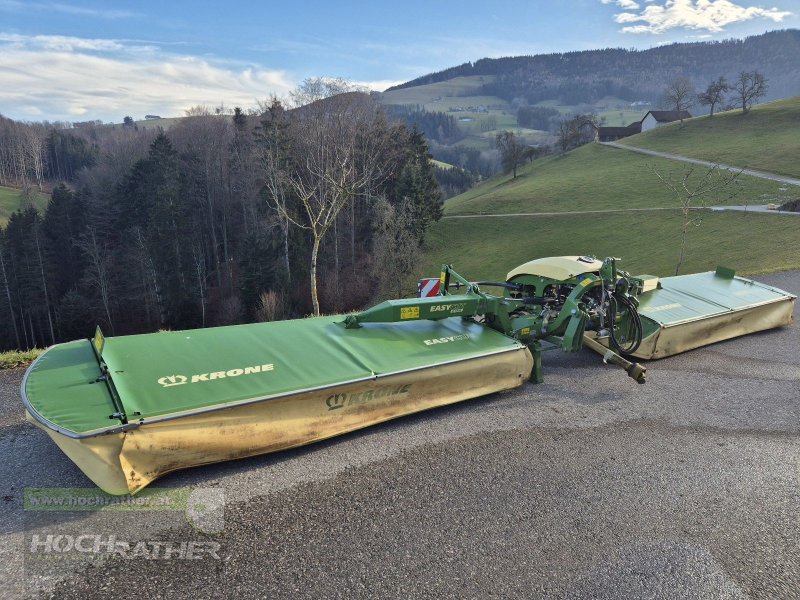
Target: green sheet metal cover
x,y
61,386
162,373
688,297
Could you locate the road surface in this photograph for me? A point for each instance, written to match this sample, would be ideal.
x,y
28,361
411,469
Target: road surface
x,y
586,486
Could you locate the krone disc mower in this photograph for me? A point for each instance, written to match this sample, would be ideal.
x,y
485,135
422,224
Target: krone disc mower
x,y
129,409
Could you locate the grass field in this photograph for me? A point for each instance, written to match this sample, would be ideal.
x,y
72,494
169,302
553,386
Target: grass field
x,y
647,242
767,138
437,94
11,200
616,111
595,177
592,177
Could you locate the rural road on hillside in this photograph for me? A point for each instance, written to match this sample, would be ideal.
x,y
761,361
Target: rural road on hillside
x,y
557,213
586,486
706,163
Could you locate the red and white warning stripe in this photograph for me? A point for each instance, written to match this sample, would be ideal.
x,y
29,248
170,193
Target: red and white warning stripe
x,y
429,287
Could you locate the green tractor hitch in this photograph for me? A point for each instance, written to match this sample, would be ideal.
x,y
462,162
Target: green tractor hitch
x,y
545,304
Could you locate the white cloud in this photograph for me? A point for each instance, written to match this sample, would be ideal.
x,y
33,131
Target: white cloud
x,y
68,78
69,9
59,43
709,15
626,4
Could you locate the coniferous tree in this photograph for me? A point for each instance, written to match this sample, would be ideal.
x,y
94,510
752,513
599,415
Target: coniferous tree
x,y
417,184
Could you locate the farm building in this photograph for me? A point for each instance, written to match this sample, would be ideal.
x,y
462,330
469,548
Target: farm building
x,y
657,118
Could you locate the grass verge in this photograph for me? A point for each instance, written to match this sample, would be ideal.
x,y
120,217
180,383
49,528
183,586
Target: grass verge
x,y
18,358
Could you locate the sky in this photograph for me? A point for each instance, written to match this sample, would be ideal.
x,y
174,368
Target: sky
x,y
87,60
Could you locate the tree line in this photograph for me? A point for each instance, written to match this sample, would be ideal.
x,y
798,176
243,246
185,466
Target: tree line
x,y
747,89
223,219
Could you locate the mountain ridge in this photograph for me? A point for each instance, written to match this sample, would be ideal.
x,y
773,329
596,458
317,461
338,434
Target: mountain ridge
x,y
586,75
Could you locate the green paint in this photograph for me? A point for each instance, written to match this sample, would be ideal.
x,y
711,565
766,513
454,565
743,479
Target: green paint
x,y
703,295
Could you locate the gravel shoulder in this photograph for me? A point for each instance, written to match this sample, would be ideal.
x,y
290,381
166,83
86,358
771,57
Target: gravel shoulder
x,y
586,486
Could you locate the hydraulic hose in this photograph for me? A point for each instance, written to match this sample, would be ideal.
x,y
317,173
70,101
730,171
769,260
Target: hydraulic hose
x,y
633,342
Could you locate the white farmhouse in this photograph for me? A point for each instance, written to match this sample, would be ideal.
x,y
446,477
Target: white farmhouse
x,y
657,118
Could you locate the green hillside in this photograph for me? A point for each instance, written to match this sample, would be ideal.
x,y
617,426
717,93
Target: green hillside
x,y
440,95
11,200
647,242
593,177
767,138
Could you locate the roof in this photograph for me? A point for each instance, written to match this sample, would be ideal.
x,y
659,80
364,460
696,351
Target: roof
x,y
637,125
618,131
668,116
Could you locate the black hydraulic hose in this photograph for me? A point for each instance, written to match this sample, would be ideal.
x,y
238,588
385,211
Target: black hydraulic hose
x,y
636,320
514,287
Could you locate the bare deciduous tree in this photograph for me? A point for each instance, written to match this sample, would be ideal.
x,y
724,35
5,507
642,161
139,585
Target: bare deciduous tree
x,y
314,89
714,94
695,193
512,151
7,289
679,95
749,88
274,153
325,173
577,131
98,273
396,246
270,307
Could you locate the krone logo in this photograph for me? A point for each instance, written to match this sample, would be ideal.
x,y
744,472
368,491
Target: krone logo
x,y
171,380
335,401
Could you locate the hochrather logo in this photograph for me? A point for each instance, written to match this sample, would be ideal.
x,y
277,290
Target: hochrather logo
x,y
173,380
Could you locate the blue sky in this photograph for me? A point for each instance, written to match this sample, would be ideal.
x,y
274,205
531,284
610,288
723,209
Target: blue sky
x,y
73,61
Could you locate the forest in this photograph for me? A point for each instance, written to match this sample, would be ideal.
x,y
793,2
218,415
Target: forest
x,y
225,218
584,77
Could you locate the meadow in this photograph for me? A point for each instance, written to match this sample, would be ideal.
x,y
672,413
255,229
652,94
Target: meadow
x,y
646,242
11,200
767,138
595,177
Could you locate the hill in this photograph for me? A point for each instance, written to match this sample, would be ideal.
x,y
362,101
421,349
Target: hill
x,y
644,231
487,248
592,177
736,138
585,77
460,110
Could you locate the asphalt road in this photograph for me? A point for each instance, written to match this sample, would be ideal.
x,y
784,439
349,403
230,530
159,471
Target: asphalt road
x,y
587,486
